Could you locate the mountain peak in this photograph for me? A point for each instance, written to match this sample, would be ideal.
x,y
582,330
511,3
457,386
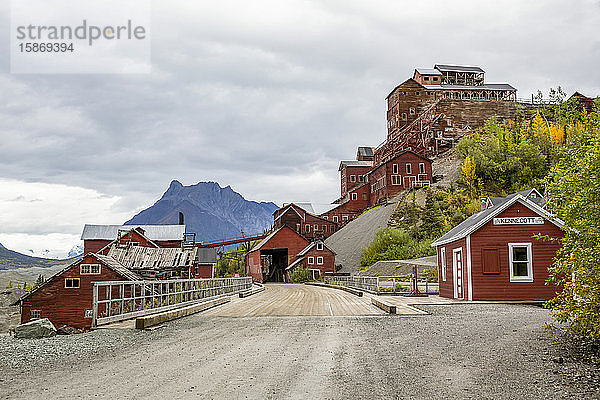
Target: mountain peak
x,y
211,211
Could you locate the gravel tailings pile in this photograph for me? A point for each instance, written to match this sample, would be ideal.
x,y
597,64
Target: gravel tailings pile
x,y
349,241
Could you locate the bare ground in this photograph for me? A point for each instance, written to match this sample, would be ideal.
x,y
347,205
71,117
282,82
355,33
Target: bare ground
x,y
467,351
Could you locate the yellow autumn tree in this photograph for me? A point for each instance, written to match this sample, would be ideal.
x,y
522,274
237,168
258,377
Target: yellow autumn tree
x,y
469,176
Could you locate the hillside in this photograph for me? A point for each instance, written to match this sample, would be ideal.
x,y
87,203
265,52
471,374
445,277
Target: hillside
x,y
212,212
349,241
10,259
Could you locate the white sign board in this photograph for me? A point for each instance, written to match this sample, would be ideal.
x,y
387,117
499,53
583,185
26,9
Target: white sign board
x,y
519,221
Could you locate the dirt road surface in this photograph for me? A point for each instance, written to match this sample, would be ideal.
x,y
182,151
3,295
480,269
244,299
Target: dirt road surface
x,y
472,351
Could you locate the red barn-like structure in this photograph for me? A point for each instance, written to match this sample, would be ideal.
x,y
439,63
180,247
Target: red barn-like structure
x,y
496,254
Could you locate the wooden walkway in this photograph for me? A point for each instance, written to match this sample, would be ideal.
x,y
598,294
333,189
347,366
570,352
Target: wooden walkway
x,y
296,300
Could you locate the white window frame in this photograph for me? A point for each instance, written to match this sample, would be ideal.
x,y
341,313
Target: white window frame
x,y
404,117
307,228
86,269
395,169
422,168
319,246
335,218
408,168
320,260
352,178
311,260
529,277
74,280
444,263
344,217
354,196
316,228
38,314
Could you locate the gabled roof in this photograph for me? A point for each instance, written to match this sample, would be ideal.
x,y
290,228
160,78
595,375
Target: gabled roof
x,y
313,209
304,251
457,68
476,221
404,83
271,236
295,263
107,261
153,232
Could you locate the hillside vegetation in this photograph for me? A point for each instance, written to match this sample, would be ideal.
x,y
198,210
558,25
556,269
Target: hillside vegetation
x,y
557,152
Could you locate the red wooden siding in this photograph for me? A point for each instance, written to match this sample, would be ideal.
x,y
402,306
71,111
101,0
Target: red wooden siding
x,y
64,306
286,238
497,286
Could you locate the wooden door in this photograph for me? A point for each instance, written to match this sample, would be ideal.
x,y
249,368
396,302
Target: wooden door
x,y
457,263
409,181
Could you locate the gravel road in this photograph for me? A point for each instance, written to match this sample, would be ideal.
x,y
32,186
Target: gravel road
x,y
467,351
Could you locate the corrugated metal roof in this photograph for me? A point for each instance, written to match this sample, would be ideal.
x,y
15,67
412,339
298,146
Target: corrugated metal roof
x,y
118,267
428,71
476,221
355,163
138,257
152,232
457,68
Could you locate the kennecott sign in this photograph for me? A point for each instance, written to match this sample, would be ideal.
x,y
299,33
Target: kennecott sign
x,y
519,221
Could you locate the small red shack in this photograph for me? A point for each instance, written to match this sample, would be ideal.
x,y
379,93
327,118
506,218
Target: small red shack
x,y
316,257
66,298
494,254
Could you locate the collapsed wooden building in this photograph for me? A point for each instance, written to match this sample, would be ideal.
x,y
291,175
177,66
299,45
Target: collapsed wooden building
x,y
66,297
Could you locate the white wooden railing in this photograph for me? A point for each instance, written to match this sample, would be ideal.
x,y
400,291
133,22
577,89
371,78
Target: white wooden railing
x,y
120,300
386,284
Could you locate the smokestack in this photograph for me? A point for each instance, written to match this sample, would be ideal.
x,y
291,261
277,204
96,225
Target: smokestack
x,y
181,218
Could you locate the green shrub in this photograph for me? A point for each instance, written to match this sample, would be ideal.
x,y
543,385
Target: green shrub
x,y
301,275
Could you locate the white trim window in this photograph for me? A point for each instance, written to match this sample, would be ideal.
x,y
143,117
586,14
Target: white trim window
x,y
396,180
311,260
344,217
352,178
319,260
319,246
36,314
89,269
408,168
335,218
72,283
520,262
421,168
395,169
443,262
354,196
307,228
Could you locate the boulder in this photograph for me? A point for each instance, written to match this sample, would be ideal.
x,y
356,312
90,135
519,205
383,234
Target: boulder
x,y
39,328
67,330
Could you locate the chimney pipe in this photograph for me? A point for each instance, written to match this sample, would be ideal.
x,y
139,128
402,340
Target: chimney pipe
x,y
181,218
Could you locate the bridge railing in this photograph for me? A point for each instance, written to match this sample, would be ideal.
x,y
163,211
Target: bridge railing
x,y
386,284
367,283
120,300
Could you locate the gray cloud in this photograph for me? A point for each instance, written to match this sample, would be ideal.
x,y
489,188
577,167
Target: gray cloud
x,y
260,94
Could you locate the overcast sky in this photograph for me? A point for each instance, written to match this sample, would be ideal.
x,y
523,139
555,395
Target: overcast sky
x,y
265,96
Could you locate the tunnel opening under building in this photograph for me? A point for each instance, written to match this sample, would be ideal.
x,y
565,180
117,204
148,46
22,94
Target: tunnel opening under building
x,y
274,263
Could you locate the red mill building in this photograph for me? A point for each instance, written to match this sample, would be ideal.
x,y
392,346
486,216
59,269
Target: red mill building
x,y
428,112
